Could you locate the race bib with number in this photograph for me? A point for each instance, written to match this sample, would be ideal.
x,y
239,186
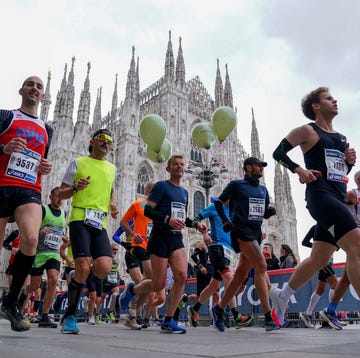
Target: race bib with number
x,y
24,165
178,211
336,165
256,209
228,253
94,218
112,277
53,240
149,227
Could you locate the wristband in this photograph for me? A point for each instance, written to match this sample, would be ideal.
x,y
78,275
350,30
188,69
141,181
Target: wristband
x,y
74,188
167,219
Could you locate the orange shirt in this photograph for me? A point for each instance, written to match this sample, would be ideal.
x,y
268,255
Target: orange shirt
x,y
142,224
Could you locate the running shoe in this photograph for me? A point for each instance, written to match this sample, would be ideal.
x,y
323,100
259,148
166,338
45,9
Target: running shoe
x,y
145,323
12,313
111,317
157,322
47,323
182,302
194,316
97,319
275,318
126,296
35,318
91,321
330,317
271,326
278,303
131,323
69,326
227,319
171,327
85,303
306,319
243,321
218,319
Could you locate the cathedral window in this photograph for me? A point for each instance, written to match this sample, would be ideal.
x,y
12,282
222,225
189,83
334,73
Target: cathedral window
x,y
199,202
142,180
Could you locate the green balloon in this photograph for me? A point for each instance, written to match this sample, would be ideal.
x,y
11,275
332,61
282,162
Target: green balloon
x,y
152,131
164,153
203,135
224,121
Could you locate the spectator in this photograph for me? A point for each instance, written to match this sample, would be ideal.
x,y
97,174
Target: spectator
x,y
287,257
272,261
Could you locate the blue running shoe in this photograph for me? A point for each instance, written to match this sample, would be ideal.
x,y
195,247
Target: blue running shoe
x,y
171,327
271,326
218,319
331,319
126,296
69,326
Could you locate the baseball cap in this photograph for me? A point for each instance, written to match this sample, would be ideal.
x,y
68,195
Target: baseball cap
x,y
99,132
253,160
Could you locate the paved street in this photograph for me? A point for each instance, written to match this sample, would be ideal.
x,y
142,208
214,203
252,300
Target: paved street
x,y
118,341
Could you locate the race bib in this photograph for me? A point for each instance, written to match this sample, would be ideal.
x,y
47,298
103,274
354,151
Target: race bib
x,y
24,165
149,227
178,211
112,277
228,253
53,240
94,218
336,165
256,209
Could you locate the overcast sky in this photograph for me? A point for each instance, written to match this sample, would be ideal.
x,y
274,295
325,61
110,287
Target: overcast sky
x,y
276,52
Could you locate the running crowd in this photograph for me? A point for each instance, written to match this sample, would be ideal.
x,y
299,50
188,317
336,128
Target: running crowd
x,y
151,230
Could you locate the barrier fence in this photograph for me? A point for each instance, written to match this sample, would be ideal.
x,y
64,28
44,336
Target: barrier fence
x,y
249,302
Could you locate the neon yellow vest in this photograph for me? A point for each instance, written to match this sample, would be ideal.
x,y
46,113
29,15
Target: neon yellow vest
x,y
97,194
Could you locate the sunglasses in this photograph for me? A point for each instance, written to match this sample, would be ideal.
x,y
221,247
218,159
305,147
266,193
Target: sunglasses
x,y
104,137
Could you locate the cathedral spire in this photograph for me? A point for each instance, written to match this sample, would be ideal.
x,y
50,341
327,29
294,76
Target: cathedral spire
x,y
84,103
97,111
71,73
219,94
180,67
137,76
169,62
255,142
131,84
45,105
114,99
63,82
228,96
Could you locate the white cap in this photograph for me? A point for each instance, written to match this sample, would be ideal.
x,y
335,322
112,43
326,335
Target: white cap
x,y
357,176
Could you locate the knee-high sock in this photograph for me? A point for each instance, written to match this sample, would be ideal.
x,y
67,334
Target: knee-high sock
x,y
314,299
74,293
22,266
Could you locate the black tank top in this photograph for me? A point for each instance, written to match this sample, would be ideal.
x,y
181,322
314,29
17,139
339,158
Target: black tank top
x,y
327,156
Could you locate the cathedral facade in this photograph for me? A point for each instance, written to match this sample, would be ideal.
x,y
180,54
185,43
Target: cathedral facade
x,y
182,104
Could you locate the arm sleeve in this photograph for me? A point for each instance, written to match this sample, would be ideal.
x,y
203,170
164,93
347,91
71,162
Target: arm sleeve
x,y
307,239
195,257
49,131
220,210
153,214
280,155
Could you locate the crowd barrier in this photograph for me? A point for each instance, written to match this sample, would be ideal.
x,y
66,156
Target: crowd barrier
x,y
249,302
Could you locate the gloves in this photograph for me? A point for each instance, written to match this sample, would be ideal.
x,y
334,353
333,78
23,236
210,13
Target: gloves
x,y
227,226
126,245
270,211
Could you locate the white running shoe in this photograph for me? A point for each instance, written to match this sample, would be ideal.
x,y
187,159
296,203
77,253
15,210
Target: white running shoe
x,y
278,303
91,321
131,323
306,319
